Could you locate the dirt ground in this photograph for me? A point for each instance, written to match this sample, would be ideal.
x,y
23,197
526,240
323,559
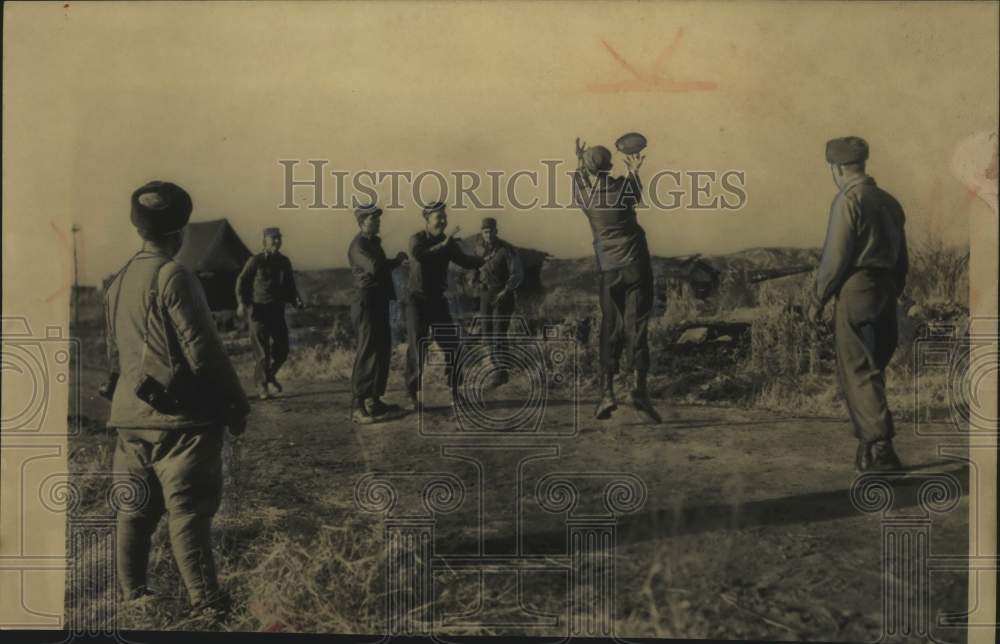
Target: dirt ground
x,y
746,529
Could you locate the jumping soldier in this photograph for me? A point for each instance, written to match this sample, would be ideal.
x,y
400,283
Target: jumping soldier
x,y
626,272
864,266
173,393
263,288
373,290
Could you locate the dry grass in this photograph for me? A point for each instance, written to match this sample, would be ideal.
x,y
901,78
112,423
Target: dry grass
x,y
938,272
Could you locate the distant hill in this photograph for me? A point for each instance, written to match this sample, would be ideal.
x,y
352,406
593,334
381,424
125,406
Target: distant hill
x,y
555,288
557,285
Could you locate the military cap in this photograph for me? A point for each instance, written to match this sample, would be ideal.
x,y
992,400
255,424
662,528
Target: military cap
x,y
272,232
489,222
160,208
847,149
596,158
432,208
366,210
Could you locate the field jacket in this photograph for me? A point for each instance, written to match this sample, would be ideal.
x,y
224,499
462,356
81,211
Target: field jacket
x,y
865,231
158,323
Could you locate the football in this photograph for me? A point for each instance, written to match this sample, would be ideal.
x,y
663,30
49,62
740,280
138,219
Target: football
x,y
631,143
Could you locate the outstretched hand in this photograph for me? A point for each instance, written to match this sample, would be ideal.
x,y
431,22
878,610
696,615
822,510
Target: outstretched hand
x,y
634,161
580,147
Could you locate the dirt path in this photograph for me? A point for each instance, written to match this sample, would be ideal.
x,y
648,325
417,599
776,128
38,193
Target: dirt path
x,y
747,529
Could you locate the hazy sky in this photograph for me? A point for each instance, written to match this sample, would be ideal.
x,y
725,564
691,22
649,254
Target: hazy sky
x,y
104,98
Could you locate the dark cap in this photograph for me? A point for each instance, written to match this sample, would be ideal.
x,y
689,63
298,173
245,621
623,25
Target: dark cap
x,y
847,149
272,232
432,208
366,210
489,222
597,158
160,208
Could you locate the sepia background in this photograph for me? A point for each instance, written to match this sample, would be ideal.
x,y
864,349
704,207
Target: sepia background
x,y
99,99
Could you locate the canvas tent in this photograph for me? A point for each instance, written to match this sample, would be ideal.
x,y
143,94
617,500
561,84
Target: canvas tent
x,y
214,251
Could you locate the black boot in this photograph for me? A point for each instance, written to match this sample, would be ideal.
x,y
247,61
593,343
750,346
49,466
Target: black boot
x,y
607,403
641,401
883,457
376,407
862,457
360,415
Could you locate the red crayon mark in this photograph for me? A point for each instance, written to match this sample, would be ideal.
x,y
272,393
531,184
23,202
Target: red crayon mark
x,y
57,293
59,233
653,80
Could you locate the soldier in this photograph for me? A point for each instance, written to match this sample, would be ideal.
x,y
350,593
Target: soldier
x,y
173,392
374,289
431,252
864,266
500,276
626,272
263,288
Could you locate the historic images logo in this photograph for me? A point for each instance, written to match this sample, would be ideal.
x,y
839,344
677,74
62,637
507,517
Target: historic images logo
x,y
34,368
312,185
511,497
907,503
547,362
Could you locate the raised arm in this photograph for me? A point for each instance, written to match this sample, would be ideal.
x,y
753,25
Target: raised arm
x,y
632,188
463,259
421,247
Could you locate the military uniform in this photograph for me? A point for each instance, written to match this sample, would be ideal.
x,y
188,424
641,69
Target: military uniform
x,y
502,272
264,287
158,324
626,273
373,290
426,304
864,266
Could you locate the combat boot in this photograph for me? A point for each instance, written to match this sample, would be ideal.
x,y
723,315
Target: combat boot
x,y
862,457
641,402
607,403
360,415
883,457
376,407
212,610
277,385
